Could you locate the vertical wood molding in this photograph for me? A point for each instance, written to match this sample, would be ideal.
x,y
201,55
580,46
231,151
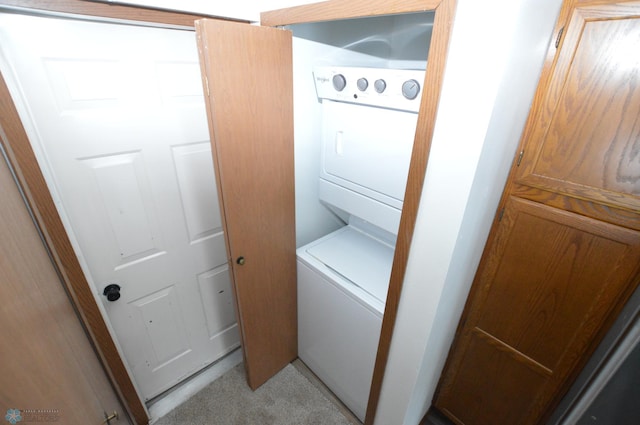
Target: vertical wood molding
x,y
444,15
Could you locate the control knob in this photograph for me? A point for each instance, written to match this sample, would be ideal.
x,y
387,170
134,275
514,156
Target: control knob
x,y
380,85
410,89
339,82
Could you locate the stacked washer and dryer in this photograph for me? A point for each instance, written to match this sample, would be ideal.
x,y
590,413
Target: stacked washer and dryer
x,y
369,118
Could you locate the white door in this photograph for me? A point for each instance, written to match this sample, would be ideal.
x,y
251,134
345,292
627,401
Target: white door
x,y
118,115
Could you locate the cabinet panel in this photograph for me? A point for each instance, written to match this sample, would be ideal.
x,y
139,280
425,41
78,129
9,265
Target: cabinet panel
x,y
549,281
585,144
487,368
553,269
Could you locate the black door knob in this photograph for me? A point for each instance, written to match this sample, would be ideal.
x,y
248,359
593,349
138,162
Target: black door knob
x,y
112,292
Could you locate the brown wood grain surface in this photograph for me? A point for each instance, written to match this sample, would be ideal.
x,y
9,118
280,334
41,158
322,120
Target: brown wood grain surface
x,y
547,285
250,111
47,359
621,217
589,125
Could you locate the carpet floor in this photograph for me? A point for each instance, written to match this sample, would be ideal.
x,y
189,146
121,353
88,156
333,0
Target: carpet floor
x,y
286,399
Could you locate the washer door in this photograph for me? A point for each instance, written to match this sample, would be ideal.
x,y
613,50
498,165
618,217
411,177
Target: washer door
x,y
337,337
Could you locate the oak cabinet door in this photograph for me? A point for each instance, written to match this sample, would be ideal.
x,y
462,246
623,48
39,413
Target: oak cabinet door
x,y
549,280
586,136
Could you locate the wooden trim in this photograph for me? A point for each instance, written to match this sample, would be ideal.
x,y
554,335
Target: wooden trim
x,y
22,158
106,10
444,13
443,23
341,9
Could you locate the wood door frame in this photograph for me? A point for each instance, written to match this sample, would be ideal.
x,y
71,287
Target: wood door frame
x,y
444,13
22,158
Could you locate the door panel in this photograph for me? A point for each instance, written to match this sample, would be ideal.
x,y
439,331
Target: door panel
x,y
589,126
118,115
248,73
49,369
549,281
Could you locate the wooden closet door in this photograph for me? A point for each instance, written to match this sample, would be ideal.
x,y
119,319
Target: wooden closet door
x,y
248,76
564,253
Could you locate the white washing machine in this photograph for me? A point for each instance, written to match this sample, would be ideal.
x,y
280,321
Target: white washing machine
x,y
369,121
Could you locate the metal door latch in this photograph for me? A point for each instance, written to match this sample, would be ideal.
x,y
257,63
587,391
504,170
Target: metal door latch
x,y
109,418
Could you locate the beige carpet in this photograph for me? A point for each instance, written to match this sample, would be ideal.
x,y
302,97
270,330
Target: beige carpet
x,y
286,399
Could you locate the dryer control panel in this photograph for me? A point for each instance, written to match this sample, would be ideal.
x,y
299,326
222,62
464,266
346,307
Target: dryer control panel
x,y
387,88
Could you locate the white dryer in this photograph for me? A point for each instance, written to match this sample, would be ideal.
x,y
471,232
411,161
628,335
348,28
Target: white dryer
x,y
369,120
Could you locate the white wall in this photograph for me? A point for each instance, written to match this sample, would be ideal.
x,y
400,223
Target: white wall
x,y
495,58
313,220
248,10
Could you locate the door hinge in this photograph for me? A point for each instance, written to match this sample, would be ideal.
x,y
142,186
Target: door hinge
x,y
519,158
559,37
500,215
